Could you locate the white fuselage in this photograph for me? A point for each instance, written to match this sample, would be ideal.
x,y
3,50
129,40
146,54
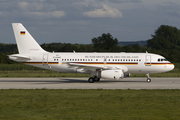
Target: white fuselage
x,y
134,62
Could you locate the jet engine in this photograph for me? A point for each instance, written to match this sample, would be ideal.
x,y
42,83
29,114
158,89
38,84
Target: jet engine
x,y
112,74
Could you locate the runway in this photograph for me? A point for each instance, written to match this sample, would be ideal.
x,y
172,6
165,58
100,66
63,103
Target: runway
x,y
81,83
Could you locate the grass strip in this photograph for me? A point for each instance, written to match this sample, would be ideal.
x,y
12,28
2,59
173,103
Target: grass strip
x,y
45,104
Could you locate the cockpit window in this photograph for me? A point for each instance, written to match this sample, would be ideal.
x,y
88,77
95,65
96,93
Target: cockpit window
x,y
161,59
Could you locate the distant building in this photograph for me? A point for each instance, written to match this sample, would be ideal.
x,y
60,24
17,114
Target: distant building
x,y
141,43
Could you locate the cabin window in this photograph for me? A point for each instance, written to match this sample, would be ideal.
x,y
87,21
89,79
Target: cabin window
x,y
161,59
139,59
109,60
96,59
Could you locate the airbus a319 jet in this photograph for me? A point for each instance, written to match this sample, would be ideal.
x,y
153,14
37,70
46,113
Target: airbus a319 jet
x,y
99,65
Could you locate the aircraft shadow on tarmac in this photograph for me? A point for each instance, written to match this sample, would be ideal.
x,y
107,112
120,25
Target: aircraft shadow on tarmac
x,y
101,81
68,80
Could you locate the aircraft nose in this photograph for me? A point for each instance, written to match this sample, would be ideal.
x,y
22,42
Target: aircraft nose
x,y
171,67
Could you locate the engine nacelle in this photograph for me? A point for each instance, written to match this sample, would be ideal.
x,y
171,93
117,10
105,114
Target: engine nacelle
x,y
112,74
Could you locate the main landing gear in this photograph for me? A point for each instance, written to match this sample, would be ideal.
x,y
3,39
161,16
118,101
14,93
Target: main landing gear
x,y
148,78
93,79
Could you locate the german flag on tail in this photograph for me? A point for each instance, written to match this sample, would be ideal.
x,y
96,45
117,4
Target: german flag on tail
x,y
22,32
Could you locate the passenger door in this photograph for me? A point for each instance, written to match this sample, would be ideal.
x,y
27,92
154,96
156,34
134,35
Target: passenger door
x,y
148,60
45,59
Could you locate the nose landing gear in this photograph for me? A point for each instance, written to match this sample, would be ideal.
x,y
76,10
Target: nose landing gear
x,y
148,78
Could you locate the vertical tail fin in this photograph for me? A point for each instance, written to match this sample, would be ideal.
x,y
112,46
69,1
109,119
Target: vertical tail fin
x,y
25,42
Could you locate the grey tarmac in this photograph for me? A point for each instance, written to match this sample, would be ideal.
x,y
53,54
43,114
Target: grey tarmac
x,y
82,83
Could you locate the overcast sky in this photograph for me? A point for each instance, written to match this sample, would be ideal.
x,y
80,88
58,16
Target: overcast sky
x,y
78,21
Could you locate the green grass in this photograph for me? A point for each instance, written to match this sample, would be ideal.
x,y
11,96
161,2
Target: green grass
x,y
90,104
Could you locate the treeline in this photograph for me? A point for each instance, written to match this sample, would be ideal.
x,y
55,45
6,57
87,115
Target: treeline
x,y
165,41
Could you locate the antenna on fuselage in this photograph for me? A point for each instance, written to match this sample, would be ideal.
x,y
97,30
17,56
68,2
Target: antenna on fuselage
x,y
74,51
146,52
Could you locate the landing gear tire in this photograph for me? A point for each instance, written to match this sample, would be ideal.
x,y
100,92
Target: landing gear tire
x,y
148,80
91,80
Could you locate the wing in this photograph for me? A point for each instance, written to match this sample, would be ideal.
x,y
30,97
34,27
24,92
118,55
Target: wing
x,y
95,67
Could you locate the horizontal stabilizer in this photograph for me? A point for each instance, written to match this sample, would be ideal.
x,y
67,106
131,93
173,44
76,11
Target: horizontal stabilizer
x,y
19,56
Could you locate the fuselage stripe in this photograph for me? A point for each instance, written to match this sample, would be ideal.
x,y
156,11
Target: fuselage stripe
x,y
158,63
98,63
40,62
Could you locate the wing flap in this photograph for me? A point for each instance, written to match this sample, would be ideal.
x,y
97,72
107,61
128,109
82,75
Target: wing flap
x,y
87,66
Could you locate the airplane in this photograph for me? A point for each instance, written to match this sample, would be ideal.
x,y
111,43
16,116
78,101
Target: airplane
x,y
99,65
